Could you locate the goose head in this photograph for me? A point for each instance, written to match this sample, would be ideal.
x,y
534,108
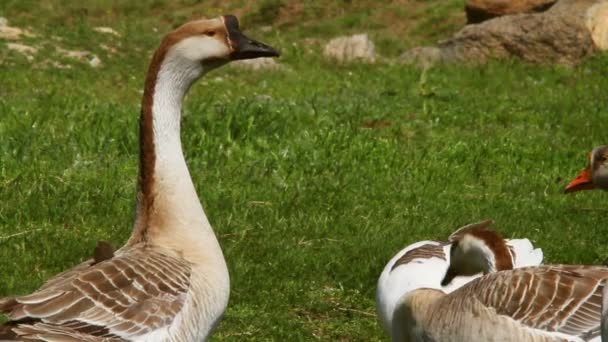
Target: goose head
x,y
205,44
477,249
595,175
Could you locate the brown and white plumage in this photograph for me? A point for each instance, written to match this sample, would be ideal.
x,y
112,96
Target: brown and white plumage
x,y
541,303
170,281
136,292
424,264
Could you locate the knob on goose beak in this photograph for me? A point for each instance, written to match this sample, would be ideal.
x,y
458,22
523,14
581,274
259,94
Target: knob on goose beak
x,y
242,46
583,181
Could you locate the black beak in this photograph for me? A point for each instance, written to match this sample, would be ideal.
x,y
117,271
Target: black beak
x,y
244,47
449,276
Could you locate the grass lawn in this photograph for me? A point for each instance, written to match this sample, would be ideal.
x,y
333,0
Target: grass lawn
x,y
312,177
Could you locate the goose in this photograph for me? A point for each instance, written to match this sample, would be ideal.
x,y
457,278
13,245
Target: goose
x,y
536,303
169,282
424,264
595,175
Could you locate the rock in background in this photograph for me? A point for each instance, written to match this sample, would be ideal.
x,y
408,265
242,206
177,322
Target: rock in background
x,y
597,23
566,33
351,48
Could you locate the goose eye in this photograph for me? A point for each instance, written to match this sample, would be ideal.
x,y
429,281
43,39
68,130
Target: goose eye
x,y
209,33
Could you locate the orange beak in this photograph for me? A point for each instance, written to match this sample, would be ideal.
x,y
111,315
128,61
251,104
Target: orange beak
x,y
582,182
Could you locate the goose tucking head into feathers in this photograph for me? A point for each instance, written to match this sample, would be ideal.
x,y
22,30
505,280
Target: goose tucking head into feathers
x,y
477,249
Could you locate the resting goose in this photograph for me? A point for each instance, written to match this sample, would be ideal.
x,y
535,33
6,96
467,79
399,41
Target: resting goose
x,y
169,282
424,264
538,303
595,175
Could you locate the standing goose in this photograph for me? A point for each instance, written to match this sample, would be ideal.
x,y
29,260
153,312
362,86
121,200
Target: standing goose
x,y
540,303
169,282
424,265
595,175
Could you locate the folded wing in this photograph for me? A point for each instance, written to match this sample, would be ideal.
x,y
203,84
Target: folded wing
x,y
557,298
132,294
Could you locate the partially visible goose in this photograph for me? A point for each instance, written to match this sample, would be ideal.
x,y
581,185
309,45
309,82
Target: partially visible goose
x,y
170,281
595,175
539,303
424,265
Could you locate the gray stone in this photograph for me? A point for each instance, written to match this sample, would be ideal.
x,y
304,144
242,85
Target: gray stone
x,y
565,34
351,48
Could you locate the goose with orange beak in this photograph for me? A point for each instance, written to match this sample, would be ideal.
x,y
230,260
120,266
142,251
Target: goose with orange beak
x,y
595,175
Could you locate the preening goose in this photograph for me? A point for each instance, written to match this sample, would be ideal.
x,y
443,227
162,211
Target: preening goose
x,y
595,175
424,265
169,282
538,303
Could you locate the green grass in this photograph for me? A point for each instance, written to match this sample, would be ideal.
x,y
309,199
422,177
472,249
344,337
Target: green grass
x,y
307,200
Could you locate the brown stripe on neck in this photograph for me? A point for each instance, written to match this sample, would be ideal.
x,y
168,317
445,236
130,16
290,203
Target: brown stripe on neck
x,y
147,148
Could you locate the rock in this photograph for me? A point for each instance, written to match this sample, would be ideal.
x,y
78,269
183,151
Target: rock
x,y
350,48
95,62
597,24
107,30
3,21
265,63
481,10
563,34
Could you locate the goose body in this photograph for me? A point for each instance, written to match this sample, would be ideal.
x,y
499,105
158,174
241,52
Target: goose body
x,y
424,265
536,303
170,281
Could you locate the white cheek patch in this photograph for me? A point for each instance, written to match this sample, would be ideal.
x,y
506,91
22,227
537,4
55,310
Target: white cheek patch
x,y
477,255
200,48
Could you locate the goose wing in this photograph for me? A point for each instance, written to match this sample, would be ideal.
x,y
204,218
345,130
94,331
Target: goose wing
x,y
557,298
134,293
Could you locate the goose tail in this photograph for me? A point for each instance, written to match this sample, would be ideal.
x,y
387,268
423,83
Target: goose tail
x,y
524,253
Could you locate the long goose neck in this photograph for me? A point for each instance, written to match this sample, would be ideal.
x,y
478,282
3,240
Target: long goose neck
x,y
167,203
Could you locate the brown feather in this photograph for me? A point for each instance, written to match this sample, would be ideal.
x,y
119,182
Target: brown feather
x,y
103,251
